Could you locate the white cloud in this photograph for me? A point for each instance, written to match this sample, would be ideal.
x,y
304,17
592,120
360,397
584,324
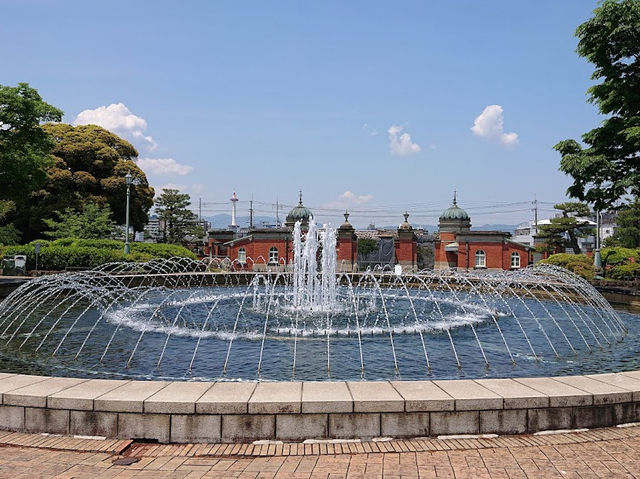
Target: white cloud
x,y
164,166
370,131
349,199
490,124
118,119
401,144
169,186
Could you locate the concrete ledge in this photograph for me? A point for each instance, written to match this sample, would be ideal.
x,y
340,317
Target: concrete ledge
x,y
294,411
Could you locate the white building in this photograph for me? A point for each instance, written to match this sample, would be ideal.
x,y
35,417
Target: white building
x,y
525,233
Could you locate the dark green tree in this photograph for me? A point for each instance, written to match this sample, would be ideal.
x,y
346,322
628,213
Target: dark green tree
x,y
92,222
24,146
607,165
366,246
89,166
565,230
177,220
627,232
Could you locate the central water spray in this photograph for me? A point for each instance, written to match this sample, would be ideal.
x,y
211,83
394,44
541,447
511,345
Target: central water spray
x,y
314,291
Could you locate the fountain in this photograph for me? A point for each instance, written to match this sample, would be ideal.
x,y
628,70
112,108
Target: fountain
x,y
176,319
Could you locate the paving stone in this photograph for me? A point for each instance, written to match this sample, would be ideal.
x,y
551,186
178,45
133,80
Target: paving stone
x,y
12,418
469,395
603,393
52,421
177,398
423,396
454,422
298,427
128,397
273,398
144,426
515,394
375,396
80,397
226,398
506,421
404,424
549,418
560,394
355,425
92,423
621,380
248,427
192,428
326,397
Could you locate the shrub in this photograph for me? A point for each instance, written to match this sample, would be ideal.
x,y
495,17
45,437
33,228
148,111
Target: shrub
x,y
579,264
618,256
626,272
77,253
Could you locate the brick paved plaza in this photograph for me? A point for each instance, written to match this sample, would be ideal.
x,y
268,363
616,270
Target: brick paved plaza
x,y
606,453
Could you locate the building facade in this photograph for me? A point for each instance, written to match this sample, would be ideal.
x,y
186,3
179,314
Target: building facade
x,y
457,246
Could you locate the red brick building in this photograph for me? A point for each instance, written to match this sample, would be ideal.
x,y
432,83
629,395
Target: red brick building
x,y
456,246
271,249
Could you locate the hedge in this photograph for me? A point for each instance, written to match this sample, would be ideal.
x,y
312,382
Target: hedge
x,y
619,256
579,264
625,272
78,253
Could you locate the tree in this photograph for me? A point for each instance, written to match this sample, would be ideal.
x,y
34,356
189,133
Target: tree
x,y
24,146
627,232
177,220
366,246
92,222
608,166
89,165
564,231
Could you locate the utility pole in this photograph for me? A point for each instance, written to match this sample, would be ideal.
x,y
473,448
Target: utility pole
x,y
277,216
251,213
535,214
199,209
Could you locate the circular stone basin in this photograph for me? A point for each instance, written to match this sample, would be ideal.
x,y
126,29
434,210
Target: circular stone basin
x,y
174,320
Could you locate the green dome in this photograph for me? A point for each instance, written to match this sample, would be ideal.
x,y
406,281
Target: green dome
x,y
454,212
299,213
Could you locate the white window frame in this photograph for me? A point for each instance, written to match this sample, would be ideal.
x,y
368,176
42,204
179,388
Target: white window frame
x,y
515,255
480,260
273,255
242,256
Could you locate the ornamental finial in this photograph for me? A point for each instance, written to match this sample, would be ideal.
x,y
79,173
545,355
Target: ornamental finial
x,y
346,216
455,194
300,198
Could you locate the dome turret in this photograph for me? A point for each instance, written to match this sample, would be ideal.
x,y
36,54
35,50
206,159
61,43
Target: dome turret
x,y
454,218
299,213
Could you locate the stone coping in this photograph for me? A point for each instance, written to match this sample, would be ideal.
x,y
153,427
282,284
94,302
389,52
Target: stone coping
x,y
230,411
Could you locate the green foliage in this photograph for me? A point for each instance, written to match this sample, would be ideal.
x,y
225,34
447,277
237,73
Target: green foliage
x,y
24,146
626,272
84,253
9,235
618,256
607,167
366,246
627,232
178,220
565,230
89,166
92,222
577,263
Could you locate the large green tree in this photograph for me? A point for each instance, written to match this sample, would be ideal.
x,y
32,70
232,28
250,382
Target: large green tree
x,y
89,165
92,222
627,232
564,230
178,221
607,165
24,145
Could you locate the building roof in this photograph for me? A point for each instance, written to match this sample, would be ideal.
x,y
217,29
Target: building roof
x,y
299,212
454,212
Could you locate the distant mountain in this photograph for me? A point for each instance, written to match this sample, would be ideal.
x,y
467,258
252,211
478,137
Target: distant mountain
x,y
496,227
224,220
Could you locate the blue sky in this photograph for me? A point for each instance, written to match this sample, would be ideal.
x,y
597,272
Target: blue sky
x,y
366,105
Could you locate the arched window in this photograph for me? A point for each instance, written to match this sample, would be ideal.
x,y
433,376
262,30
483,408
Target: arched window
x,y
273,255
515,260
242,256
481,259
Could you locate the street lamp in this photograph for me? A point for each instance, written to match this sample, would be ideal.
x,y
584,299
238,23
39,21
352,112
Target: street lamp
x,y
130,180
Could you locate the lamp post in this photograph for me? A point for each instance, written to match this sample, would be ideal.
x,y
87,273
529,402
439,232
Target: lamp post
x,y
128,179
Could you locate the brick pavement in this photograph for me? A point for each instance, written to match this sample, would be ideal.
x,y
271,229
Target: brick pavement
x,y
603,453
